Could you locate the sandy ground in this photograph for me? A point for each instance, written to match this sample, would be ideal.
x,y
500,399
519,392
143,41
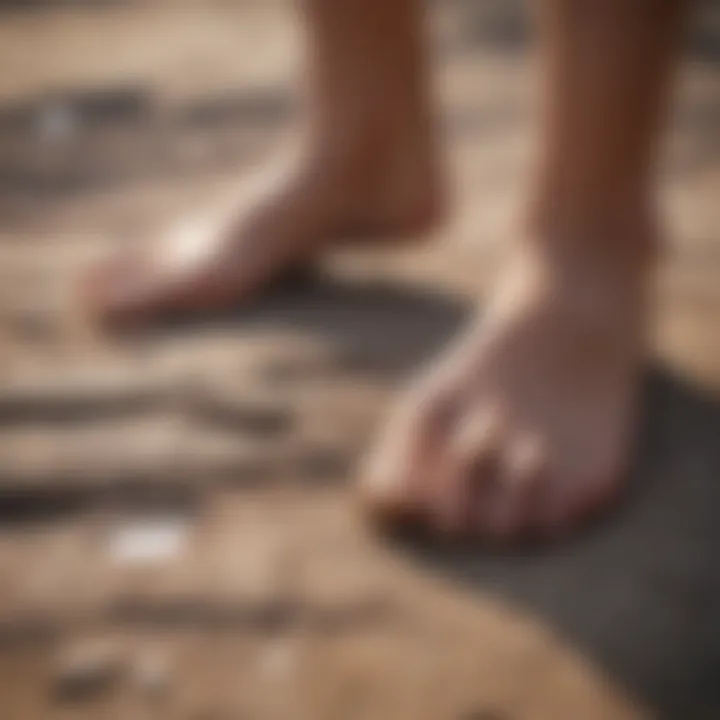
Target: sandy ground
x,y
176,536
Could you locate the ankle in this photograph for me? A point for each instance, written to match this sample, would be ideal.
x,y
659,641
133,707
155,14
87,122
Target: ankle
x,y
616,235
392,175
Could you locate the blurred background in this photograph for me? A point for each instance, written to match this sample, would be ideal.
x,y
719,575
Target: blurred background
x,y
175,536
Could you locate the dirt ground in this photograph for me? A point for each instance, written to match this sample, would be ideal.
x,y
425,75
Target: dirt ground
x,y
177,540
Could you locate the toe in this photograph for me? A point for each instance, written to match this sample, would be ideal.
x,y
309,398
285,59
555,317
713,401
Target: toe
x,y
178,271
572,499
135,286
395,482
468,468
508,511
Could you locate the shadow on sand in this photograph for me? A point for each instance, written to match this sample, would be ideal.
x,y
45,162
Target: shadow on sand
x,y
375,327
639,593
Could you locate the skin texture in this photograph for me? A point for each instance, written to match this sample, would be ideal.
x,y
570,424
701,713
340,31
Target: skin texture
x,y
358,172
526,425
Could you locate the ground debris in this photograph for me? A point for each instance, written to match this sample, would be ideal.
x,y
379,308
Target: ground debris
x,y
88,669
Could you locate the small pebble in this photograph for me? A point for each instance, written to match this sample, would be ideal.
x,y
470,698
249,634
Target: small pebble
x,y
87,670
57,122
148,540
151,674
277,659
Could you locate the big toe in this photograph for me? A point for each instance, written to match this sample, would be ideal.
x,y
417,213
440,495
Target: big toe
x,y
396,480
134,287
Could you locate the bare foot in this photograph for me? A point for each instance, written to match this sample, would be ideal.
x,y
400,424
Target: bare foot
x,y
208,261
527,425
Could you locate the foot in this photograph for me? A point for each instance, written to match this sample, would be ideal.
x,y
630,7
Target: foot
x,y
527,425
384,189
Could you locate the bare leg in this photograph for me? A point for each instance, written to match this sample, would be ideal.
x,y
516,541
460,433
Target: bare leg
x,y
367,166
528,424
